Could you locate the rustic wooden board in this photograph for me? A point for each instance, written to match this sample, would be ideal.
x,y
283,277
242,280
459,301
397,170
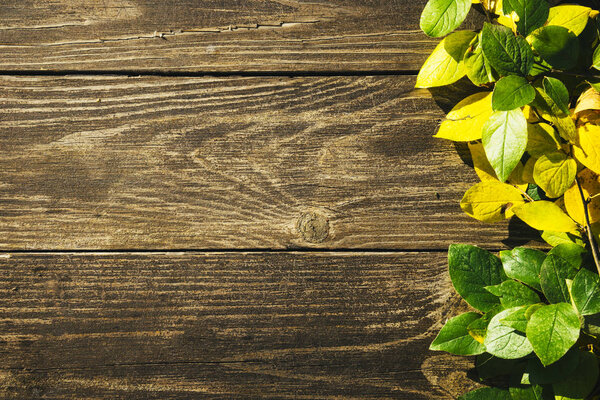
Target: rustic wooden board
x,y
229,325
216,35
228,163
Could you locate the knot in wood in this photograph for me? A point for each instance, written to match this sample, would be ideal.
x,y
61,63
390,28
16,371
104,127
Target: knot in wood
x,y
313,226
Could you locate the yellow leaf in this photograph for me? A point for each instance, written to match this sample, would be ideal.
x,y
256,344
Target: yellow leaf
x,y
545,216
445,65
555,173
488,201
510,21
529,113
572,17
465,122
590,184
589,100
588,150
541,139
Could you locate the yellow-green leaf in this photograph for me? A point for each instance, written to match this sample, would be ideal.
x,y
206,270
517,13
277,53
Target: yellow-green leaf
x,y
541,139
545,216
555,173
588,150
465,122
445,65
572,17
488,201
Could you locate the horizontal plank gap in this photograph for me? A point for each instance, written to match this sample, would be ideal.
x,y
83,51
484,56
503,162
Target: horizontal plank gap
x,y
200,74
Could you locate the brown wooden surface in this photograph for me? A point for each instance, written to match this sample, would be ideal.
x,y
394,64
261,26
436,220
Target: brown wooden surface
x,y
229,163
148,222
214,35
236,325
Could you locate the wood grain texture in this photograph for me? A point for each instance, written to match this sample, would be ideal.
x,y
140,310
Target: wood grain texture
x,y
215,35
235,325
228,163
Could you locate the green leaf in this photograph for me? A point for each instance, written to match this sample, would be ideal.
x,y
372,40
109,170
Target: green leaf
x,y
586,292
478,328
558,93
445,65
572,253
440,17
556,45
596,62
554,273
545,216
581,382
555,173
507,53
503,341
454,337
540,375
512,92
523,265
530,392
532,13
516,319
504,138
552,331
513,294
471,270
479,69
487,393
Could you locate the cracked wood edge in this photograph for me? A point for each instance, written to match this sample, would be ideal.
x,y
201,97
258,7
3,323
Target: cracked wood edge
x,y
217,36
259,325
230,163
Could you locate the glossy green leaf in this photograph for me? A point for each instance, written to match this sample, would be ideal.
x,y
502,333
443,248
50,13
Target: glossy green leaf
x,y
586,292
454,337
553,275
487,393
558,93
556,45
530,392
581,382
479,69
508,54
440,17
532,13
471,270
513,294
572,253
503,341
504,138
523,265
512,92
516,319
478,328
552,331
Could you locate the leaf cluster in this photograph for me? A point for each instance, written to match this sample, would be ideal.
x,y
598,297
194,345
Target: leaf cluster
x,y
537,321
533,129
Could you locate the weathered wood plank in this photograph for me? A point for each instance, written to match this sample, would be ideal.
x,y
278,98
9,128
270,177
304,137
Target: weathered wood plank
x,y
216,35
233,325
229,163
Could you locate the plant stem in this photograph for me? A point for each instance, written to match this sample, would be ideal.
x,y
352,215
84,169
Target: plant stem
x,y
588,226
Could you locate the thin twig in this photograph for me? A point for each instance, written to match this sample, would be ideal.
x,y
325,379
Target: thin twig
x,y
588,226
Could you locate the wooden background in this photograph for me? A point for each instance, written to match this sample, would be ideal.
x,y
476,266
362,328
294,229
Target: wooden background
x,y
226,199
